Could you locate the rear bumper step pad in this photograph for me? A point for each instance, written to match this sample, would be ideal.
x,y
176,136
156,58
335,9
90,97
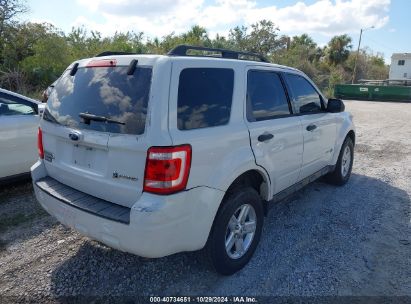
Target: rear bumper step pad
x,y
83,201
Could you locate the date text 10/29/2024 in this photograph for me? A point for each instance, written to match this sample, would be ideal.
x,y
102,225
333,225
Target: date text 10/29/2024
x,y
206,299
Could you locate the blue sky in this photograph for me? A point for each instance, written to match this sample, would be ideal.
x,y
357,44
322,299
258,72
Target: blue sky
x,y
321,19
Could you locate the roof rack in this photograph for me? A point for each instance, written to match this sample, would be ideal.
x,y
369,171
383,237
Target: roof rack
x,y
111,53
181,50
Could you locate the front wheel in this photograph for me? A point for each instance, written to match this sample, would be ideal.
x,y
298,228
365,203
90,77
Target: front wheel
x,y
236,231
342,171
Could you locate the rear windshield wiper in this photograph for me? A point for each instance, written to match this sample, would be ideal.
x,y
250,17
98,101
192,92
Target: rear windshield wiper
x,y
87,117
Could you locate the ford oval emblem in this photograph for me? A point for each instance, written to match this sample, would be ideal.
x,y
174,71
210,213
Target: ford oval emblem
x,y
73,136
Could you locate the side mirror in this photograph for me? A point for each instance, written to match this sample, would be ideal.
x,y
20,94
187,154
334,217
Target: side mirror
x,y
335,105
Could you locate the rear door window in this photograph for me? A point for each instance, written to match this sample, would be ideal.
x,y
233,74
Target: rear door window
x,y
306,99
12,106
102,91
204,97
266,97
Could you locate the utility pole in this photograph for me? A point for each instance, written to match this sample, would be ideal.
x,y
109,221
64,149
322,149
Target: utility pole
x,y
358,53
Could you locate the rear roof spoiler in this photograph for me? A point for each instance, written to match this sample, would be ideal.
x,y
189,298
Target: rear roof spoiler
x,y
112,53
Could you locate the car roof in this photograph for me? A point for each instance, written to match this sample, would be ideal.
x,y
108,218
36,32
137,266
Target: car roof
x,y
152,59
19,96
233,61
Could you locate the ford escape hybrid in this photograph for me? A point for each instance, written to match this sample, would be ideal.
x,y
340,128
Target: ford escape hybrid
x,y
155,155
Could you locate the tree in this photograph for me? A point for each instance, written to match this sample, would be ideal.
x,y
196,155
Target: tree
x,y
221,42
304,47
51,55
21,43
197,35
339,49
303,41
264,38
9,9
32,55
369,66
22,38
238,38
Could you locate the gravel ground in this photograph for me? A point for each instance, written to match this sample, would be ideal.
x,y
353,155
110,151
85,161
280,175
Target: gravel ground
x,y
324,241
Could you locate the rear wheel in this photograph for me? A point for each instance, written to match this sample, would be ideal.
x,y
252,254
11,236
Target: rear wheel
x,y
342,171
236,231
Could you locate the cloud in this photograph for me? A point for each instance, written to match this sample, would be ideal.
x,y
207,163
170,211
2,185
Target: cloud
x,y
133,8
157,18
325,16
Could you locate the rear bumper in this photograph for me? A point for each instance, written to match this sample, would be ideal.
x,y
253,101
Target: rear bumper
x,y
159,225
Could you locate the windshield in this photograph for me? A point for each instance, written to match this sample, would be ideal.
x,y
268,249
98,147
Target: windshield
x,y
102,91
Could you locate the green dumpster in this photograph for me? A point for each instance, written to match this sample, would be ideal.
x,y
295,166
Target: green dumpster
x,y
373,92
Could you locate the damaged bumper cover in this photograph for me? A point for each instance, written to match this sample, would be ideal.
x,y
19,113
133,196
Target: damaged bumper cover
x,y
158,225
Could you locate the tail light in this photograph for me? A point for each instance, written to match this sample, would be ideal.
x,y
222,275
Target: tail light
x,y
167,169
101,63
40,143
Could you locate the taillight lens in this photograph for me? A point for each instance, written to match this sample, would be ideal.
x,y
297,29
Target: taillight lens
x,y
40,143
167,169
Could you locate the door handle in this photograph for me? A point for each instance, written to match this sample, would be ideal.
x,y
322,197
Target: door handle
x,y
311,127
265,137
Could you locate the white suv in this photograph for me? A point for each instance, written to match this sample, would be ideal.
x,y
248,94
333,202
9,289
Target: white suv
x,y
155,155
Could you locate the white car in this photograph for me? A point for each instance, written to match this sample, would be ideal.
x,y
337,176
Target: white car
x,y
155,155
19,121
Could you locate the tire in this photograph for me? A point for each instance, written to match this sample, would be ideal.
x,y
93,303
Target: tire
x,y
342,171
225,229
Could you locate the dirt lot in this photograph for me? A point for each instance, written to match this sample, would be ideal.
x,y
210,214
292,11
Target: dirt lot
x,y
352,240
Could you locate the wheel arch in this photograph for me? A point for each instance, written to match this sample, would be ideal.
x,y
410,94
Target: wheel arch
x,y
253,178
256,178
347,129
351,134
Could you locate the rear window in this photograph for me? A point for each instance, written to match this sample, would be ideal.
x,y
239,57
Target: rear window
x,y
102,91
204,97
